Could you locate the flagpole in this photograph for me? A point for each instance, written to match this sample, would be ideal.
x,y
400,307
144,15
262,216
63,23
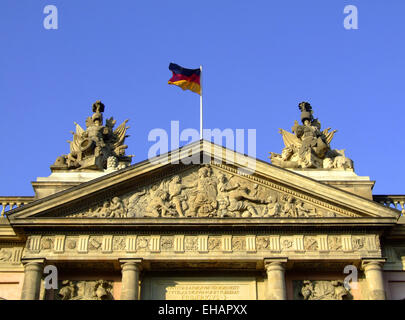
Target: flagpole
x,y
201,105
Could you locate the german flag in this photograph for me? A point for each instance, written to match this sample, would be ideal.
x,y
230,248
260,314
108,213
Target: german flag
x,y
187,79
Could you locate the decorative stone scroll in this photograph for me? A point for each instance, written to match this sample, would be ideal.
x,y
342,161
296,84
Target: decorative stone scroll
x,y
85,290
205,193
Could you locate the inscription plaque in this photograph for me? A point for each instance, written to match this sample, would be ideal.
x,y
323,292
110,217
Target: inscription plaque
x,y
235,288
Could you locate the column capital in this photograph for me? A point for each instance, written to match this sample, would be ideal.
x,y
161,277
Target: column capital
x,y
372,263
131,263
274,262
34,261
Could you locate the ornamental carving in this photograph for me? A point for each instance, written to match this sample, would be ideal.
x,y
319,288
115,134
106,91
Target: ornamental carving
x,y
85,290
309,147
322,290
95,243
310,244
214,244
6,254
191,244
358,243
46,243
119,244
262,243
204,193
98,147
166,243
142,243
289,244
71,244
335,243
238,244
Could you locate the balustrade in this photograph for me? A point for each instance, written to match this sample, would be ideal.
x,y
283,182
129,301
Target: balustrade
x,y
9,203
392,201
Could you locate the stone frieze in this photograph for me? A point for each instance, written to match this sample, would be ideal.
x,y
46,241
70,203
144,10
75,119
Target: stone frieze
x,y
203,244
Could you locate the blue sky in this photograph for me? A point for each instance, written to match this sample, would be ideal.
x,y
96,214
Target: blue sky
x,y
260,59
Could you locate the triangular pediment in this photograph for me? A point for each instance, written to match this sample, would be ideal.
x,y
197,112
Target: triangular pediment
x,y
203,181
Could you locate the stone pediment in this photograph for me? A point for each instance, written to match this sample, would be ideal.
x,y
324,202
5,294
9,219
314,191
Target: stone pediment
x,y
207,192
214,190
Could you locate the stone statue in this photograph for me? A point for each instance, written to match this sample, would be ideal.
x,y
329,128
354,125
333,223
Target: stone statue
x,y
97,147
308,146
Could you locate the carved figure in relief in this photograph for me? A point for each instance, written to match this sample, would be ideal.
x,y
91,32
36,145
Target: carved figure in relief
x,y
302,211
157,206
323,290
104,211
68,290
204,194
239,198
117,208
203,201
134,205
289,209
273,208
175,195
85,290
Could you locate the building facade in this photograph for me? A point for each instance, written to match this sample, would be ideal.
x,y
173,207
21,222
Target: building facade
x,y
202,222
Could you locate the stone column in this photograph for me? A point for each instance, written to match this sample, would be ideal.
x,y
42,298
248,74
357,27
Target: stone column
x,y
131,269
33,270
373,269
276,289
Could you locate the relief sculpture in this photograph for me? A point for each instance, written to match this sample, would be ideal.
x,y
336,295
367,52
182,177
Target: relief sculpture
x,y
321,290
85,290
205,193
5,254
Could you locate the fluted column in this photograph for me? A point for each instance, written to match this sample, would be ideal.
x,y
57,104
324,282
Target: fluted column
x,y
373,269
33,270
276,288
131,269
